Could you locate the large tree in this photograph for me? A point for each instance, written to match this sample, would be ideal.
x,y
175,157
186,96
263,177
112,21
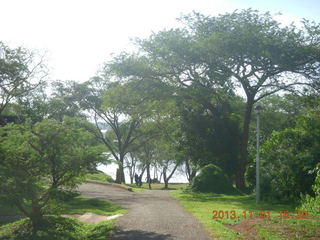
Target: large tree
x,y
118,111
260,55
243,49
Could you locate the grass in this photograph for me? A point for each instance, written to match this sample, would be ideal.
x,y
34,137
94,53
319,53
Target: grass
x,y
134,187
202,205
100,176
57,228
81,205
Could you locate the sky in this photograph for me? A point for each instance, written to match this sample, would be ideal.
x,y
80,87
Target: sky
x,y
78,36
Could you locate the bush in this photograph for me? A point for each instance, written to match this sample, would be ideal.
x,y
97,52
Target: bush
x,y
312,204
212,179
288,158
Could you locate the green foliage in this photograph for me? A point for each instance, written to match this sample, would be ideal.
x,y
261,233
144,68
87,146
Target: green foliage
x,y
312,204
57,228
211,127
38,161
288,159
212,179
18,71
246,49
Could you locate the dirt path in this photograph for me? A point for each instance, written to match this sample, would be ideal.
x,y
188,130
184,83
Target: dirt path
x,y
152,214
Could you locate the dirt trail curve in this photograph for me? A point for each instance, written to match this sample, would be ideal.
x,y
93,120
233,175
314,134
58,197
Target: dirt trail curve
x,y
152,214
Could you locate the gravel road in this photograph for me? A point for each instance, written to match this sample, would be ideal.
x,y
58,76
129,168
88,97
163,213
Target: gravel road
x,y
152,214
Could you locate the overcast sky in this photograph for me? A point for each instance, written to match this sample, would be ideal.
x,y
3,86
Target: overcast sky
x,y
79,36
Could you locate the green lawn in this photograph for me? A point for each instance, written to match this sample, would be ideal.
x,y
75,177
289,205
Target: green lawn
x,y
63,228
100,176
57,228
80,205
242,209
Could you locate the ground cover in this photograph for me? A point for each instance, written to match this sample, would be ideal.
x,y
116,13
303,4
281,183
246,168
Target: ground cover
x,y
80,205
99,176
56,227
239,217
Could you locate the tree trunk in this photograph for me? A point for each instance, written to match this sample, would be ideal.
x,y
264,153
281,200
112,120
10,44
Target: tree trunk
x,y
166,184
190,172
132,168
140,177
165,178
192,175
240,180
36,217
131,179
120,174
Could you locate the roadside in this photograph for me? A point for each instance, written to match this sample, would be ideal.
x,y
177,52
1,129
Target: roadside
x,y
92,214
152,214
239,217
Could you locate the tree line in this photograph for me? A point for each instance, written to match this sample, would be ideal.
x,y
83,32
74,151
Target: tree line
x,y
183,100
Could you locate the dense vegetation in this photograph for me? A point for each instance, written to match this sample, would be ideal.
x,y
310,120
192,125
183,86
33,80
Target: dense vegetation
x,y
183,100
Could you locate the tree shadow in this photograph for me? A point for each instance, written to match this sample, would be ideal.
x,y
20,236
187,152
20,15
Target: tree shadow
x,y
139,235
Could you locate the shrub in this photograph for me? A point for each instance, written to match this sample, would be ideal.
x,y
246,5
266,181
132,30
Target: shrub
x,y
288,158
312,204
212,179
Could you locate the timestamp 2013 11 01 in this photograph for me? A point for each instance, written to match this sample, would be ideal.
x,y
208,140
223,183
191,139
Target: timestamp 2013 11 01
x,y
232,214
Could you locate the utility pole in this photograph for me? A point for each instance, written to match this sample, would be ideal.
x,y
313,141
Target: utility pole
x,y
258,109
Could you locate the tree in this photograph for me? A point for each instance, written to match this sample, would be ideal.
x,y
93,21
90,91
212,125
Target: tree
x,y
117,111
20,73
260,55
166,151
39,160
38,104
243,49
